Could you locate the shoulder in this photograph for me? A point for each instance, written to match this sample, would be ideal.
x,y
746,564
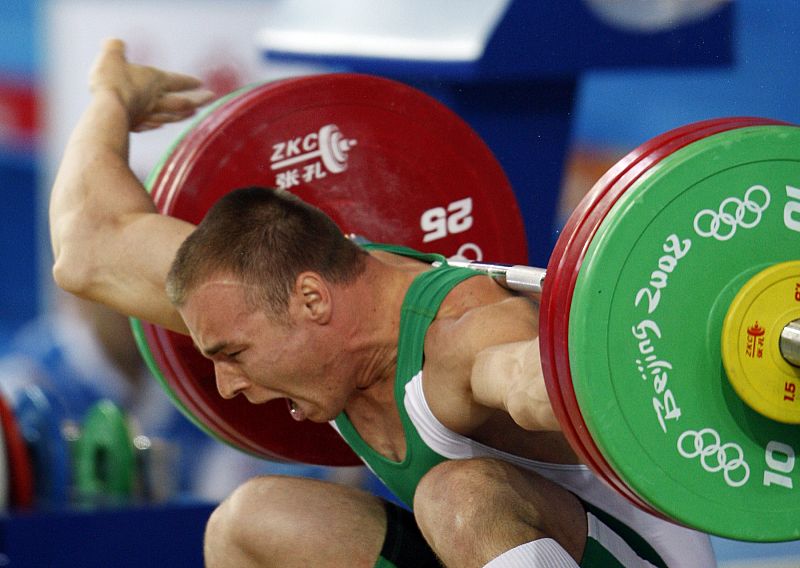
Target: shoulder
x,y
480,314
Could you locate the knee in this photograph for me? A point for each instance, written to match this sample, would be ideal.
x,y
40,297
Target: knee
x,y
451,500
248,526
219,535
294,521
468,505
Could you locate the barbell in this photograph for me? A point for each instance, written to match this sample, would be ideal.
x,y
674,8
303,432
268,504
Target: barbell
x,y
669,307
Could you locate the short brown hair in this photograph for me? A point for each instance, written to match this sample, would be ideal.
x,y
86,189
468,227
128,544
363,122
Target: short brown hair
x,y
265,238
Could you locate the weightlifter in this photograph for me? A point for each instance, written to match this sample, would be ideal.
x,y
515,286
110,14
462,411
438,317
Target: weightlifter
x,y
432,375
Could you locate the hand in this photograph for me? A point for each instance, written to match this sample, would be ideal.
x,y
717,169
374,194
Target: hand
x,y
151,97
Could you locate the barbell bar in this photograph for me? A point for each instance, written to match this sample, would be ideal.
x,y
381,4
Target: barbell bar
x,y
515,277
790,343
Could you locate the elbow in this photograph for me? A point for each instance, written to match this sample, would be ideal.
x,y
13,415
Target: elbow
x,y
523,417
532,413
71,274
76,244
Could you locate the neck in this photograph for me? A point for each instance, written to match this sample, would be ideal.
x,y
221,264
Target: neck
x,y
373,328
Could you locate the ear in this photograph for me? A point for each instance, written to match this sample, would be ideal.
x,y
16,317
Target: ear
x,y
313,296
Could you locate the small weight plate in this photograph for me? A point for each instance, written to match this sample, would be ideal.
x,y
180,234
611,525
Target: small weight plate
x,y
384,160
19,462
645,325
105,466
40,416
751,335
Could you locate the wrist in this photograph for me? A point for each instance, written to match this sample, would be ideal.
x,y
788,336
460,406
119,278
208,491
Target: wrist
x,y
111,104
107,95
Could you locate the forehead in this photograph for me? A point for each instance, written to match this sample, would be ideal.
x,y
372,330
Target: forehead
x,y
214,306
216,290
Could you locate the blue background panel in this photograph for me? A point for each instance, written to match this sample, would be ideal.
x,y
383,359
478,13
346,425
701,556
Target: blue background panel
x,y
122,538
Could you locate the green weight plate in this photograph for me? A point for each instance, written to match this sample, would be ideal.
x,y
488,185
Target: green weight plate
x,y
562,273
644,334
105,467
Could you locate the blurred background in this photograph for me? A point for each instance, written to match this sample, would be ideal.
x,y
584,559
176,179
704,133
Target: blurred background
x,y
559,89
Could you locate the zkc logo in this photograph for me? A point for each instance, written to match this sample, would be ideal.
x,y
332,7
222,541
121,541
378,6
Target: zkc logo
x,y
754,347
310,157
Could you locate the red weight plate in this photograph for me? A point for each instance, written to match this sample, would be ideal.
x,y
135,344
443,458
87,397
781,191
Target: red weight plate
x,y
573,425
5,486
566,262
382,159
22,489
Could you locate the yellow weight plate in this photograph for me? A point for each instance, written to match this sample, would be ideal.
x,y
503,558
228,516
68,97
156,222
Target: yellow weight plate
x,y
751,343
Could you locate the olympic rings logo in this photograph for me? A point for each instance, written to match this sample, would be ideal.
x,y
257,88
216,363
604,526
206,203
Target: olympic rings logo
x,y
469,252
733,213
715,456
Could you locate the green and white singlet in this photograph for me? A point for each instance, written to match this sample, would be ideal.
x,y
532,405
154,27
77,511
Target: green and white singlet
x,y
620,534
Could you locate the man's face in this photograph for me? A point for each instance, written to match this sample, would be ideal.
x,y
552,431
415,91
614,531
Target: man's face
x,y
257,356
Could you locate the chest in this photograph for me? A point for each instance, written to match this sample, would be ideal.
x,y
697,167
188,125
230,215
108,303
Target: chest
x,y
376,419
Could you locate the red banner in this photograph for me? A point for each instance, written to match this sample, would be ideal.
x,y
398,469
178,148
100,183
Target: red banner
x,y
19,118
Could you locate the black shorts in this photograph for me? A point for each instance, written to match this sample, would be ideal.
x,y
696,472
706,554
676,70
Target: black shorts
x,y
404,546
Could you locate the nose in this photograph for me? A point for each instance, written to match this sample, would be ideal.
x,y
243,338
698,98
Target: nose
x,y
230,381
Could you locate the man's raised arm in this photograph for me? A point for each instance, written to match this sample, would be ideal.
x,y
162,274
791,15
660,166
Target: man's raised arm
x,y
109,243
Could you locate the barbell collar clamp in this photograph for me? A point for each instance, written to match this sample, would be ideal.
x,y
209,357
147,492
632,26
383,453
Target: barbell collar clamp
x,y
790,343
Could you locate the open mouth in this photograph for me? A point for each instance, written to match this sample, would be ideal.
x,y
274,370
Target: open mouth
x,y
296,412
